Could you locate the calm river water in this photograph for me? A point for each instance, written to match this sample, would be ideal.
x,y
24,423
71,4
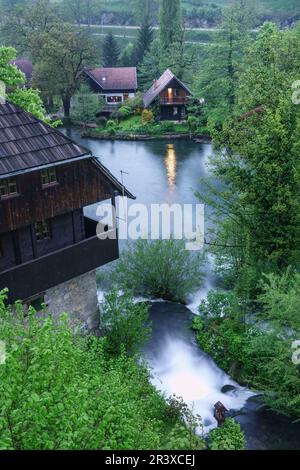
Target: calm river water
x,y
170,172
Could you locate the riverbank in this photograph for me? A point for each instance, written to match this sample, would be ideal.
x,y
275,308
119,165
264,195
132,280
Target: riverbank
x,y
91,133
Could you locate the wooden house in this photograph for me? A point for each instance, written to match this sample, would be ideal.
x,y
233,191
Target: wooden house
x,y
49,249
115,84
170,94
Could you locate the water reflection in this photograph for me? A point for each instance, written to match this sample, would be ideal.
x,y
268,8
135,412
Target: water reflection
x,y
171,166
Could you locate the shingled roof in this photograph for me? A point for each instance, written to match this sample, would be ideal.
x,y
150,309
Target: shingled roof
x,y
28,144
115,78
159,85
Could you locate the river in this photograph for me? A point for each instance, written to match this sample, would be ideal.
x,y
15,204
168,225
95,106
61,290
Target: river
x,y
158,172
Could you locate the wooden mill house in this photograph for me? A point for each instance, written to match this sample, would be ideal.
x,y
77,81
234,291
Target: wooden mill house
x,y
49,250
171,96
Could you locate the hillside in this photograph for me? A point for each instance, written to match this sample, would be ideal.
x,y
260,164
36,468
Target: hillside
x,y
198,13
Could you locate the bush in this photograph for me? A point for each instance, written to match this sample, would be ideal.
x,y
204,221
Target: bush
x,y
136,104
227,437
147,116
124,323
63,392
192,123
101,121
162,269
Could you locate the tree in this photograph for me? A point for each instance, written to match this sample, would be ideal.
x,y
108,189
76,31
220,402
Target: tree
x,y
86,105
144,40
80,11
111,51
60,60
127,56
257,213
170,22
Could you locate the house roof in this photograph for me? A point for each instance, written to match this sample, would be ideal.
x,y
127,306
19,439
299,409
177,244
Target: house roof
x,y
25,65
159,85
115,78
28,144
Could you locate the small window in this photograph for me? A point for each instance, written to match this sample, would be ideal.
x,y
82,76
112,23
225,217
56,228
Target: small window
x,y
49,176
42,230
114,99
175,111
8,187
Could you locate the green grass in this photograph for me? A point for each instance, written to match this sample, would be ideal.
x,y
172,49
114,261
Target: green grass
x,y
133,126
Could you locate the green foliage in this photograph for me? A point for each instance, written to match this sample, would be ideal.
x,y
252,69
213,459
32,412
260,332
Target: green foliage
x,y
26,98
192,123
162,268
227,437
110,51
124,323
179,410
101,121
10,74
127,56
147,116
259,353
63,392
169,22
144,40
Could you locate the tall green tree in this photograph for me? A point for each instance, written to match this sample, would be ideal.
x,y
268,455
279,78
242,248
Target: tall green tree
x,y
218,79
144,40
110,51
258,163
170,22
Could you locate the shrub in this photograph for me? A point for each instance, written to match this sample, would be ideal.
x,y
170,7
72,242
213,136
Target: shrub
x,y
101,121
192,123
147,116
85,105
227,437
162,269
167,126
63,392
135,104
124,323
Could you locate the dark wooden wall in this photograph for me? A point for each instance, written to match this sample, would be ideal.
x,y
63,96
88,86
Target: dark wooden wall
x,y
174,84
79,184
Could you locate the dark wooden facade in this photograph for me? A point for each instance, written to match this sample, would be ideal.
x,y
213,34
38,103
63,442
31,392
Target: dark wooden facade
x,y
173,101
45,239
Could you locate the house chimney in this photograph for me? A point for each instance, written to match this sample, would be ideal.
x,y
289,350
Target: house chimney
x,y
155,84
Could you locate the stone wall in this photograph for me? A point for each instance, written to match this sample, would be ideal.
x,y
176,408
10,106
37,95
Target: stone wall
x,y
78,298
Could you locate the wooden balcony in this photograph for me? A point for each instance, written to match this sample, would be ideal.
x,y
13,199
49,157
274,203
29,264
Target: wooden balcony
x,y
174,100
35,277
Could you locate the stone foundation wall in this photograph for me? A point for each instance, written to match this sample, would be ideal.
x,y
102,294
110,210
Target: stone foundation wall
x,y
78,298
